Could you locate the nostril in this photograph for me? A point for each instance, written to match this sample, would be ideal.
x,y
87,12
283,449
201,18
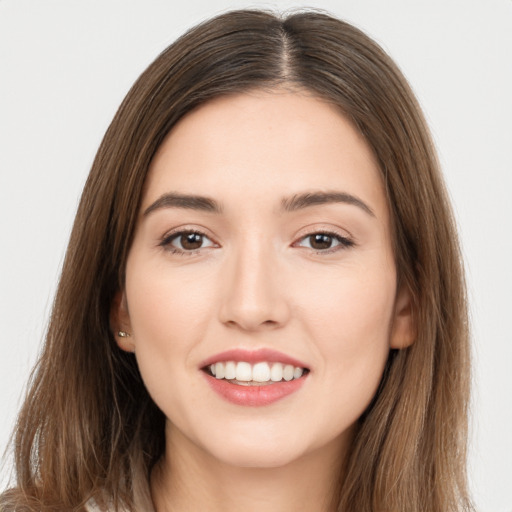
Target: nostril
x,y
251,324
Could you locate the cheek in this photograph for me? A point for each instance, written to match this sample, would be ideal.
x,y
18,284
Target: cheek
x,y
165,304
353,311
350,323
169,317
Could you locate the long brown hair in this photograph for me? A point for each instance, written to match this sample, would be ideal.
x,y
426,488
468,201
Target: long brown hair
x,y
88,427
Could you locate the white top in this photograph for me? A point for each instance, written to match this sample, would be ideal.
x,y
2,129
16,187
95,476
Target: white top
x,y
91,506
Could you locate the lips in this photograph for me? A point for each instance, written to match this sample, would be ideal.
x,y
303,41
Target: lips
x,y
254,378
253,356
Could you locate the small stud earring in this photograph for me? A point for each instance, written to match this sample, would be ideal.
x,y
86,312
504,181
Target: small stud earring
x,y
123,334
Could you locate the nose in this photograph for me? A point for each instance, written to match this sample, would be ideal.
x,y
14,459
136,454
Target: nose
x,y
253,296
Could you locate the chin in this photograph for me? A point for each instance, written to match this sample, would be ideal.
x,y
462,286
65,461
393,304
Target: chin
x,y
261,448
259,457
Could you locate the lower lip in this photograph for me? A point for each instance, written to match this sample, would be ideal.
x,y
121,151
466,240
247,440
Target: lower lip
x,y
265,394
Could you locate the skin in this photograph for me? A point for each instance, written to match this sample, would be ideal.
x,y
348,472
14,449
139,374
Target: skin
x,y
259,281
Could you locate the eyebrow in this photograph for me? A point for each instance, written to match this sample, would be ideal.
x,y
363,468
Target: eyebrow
x,y
291,204
300,201
189,202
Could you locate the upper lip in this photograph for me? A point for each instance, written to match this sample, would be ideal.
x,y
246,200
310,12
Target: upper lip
x,y
253,356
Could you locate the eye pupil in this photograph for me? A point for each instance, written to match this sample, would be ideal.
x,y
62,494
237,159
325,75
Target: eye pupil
x,y
191,241
320,241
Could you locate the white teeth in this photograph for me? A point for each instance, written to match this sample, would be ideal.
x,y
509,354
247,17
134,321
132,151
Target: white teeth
x,y
243,372
276,372
219,370
259,372
230,370
288,372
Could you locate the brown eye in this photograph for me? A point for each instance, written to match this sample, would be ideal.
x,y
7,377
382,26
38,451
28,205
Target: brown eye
x,y
191,241
325,242
320,241
186,241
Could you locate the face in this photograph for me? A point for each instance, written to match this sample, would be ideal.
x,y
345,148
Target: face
x,y
260,291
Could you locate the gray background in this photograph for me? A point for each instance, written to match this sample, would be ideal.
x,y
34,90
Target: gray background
x,y
65,65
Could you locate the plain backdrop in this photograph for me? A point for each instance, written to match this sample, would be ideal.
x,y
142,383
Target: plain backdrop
x,y
65,66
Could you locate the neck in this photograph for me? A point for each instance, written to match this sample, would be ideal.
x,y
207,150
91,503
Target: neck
x,y
188,478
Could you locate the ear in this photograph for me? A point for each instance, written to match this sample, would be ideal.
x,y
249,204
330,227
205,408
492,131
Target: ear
x,y
403,330
120,323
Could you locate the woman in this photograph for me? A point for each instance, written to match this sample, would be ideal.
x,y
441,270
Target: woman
x,y
262,304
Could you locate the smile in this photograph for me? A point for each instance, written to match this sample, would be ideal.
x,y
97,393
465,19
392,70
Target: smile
x,y
254,377
245,373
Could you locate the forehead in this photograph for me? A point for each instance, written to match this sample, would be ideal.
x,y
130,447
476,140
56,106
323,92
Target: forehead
x,y
257,145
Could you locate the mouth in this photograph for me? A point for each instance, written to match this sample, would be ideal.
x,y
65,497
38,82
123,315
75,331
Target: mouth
x,y
243,373
254,378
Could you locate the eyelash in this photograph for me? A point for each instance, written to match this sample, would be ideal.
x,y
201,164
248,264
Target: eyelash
x,y
167,241
343,242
